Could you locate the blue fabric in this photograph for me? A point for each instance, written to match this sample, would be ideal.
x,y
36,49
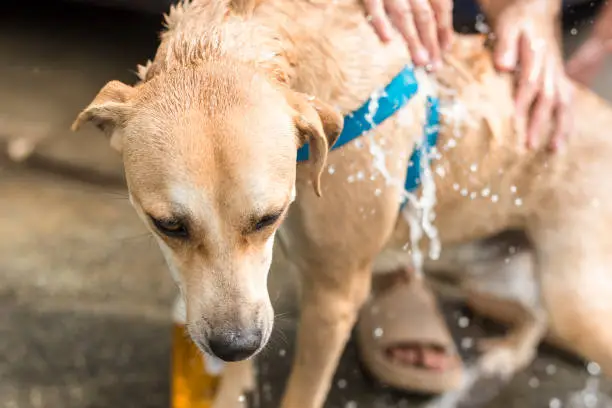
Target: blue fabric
x,y
431,130
376,110
394,97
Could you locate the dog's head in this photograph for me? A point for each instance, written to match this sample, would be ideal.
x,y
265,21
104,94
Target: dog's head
x,y
210,162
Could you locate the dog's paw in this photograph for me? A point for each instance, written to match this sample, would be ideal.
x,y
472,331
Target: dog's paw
x,y
499,358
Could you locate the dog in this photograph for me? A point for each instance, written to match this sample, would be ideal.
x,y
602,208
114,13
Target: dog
x,y
209,139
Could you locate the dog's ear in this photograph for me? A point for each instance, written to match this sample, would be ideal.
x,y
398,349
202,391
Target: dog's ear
x,y
319,125
108,111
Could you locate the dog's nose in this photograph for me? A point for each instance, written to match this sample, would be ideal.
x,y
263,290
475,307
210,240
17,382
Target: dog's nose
x,y
235,345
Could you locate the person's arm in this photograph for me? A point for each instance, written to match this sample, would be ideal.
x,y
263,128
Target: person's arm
x,y
588,60
547,9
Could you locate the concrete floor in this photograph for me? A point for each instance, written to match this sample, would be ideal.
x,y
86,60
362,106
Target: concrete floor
x,y
84,293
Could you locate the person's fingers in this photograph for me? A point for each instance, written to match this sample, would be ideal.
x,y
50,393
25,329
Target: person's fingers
x,y
529,82
378,18
507,46
544,103
443,12
563,118
427,27
403,19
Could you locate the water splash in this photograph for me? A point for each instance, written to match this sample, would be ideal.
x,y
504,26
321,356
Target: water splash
x,y
590,396
555,403
419,211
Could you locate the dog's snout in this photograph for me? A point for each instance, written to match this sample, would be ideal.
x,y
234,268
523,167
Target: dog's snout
x,y
235,345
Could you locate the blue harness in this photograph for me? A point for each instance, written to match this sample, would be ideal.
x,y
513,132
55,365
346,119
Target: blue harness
x,y
394,97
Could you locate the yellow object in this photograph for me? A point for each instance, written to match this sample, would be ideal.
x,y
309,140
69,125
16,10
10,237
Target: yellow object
x,y
193,384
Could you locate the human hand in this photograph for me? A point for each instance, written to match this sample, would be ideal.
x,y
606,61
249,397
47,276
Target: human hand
x,y
425,25
526,40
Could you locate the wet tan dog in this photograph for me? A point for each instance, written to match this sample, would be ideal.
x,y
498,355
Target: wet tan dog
x,y
209,139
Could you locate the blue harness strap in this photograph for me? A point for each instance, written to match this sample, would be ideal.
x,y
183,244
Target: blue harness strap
x,y
374,111
423,148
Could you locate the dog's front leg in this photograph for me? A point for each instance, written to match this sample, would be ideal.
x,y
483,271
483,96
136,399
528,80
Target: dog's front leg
x,y
331,299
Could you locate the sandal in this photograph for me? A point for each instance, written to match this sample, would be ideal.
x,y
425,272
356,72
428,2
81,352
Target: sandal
x,y
404,342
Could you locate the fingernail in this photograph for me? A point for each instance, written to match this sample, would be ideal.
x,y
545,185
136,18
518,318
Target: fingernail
x,y
506,60
422,56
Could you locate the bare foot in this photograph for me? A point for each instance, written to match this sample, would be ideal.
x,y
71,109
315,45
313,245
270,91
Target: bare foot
x,y
427,356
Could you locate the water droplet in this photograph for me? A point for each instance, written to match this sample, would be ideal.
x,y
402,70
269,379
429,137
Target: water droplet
x,y
331,169
282,352
485,192
467,342
377,192
551,369
593,368
350,179
455,186
495,198
358,144
451,144
440,171
518,202
463,322
534,382
590,400
360,175
378,332
463,192
507,260
342,383
474,167
555,403
513,189
473,195
512,250
574,31
241,398
351,404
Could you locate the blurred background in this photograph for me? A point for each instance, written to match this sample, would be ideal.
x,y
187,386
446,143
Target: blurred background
x,y
85,299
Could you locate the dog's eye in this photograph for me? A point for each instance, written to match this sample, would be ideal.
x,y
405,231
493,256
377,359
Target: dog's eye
x,y
170,227
267,220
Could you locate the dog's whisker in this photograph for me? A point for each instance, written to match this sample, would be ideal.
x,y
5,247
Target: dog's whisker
x,y
282,315
276,298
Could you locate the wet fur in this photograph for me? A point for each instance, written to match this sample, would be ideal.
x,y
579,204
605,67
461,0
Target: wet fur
x,y
329,51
